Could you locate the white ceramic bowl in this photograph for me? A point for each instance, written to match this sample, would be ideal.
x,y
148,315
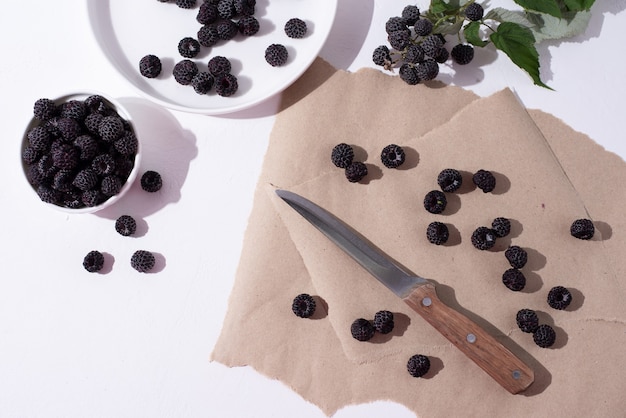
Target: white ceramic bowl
x,y
123,113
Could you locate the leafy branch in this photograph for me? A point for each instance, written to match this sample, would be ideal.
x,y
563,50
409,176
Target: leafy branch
x,y
513,32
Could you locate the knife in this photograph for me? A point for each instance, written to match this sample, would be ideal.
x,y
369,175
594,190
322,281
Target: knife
x,y
420,294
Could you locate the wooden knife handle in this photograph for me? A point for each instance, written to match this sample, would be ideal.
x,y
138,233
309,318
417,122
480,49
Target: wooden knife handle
x,y
489,354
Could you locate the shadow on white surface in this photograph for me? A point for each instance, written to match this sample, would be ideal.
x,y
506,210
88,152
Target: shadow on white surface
x,y
351,26
166,148
594,30
598,11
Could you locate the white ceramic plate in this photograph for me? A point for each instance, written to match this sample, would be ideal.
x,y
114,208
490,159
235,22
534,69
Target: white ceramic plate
x,y
128,30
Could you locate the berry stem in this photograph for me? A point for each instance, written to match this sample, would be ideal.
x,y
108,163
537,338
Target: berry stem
x,y
482,22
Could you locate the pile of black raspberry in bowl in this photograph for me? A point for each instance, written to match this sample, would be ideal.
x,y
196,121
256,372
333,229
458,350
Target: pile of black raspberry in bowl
x,y
80,152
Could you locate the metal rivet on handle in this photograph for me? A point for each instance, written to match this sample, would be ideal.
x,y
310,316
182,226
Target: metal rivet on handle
x,y
471,338
517,374
427,302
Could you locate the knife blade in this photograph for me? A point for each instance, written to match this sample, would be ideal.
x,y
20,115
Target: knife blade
x,y
421,295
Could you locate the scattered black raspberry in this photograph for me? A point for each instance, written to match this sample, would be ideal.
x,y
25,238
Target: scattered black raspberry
x,y
437,233
127,144
208,35
92,198
92,122
483,238
62,180
544,336
87,147
207,13
142,261
462,53
399,39
30,155
418,365
219,65
395,24
427,70
52,126
382,56
342,155
86,179
98,105
414,54
442,56
150,66
559,297
303,305
202,82
423,27
514,279
226,9
410,14
516,256
356,171
111,128
186,4
188,47
435,201
68,128
65,156
111,185
248,26
151,181
184,71
527,320
47,194
408,74
39,138
582,229
226,85
392,156
474,12
431,45
72,200
245,7
362,329
103,164
226,29
46,166
93,261
126,225
484,180
276,55
44,109
34,176
383,322
295,28
124,164
74,109
450,180
501,226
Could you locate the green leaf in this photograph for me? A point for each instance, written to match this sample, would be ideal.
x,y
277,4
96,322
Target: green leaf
x,y
578,5
549,27
550,7
441,6
449,28
518,42
471,32
500,14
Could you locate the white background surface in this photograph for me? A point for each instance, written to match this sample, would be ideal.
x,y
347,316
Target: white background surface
x,y
124,344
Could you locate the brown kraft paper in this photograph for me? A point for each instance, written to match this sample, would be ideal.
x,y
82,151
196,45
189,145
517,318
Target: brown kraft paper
x,y
545,180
